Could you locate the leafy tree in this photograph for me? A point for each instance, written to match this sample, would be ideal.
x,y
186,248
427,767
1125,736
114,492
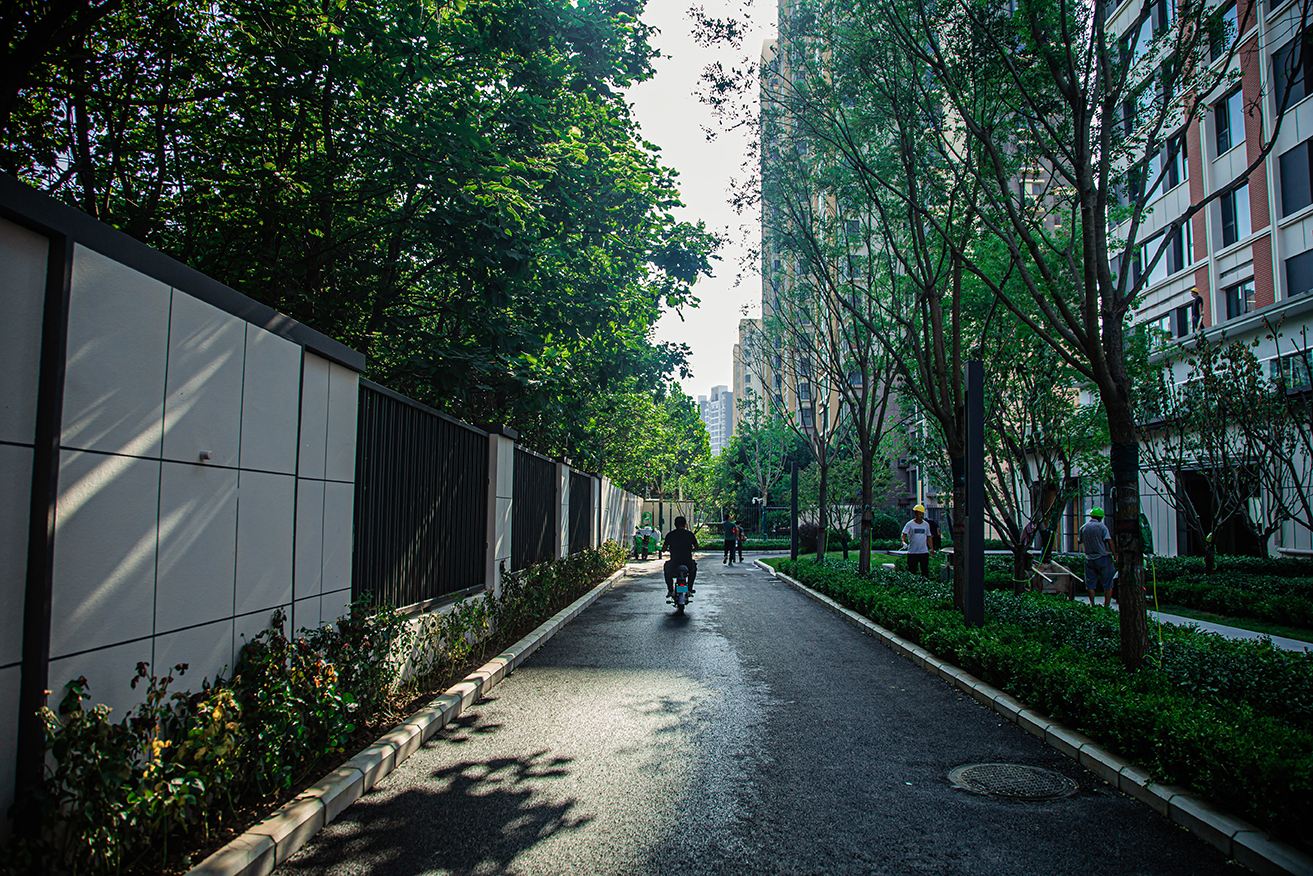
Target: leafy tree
x,y
765,444
456,188
1236,431
1062,128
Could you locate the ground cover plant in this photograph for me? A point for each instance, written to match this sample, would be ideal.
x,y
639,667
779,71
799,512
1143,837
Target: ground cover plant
x,y
1231,719
184,770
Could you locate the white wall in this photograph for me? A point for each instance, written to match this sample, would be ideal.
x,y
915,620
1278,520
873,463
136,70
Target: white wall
x,y
620,513
22,293
206,478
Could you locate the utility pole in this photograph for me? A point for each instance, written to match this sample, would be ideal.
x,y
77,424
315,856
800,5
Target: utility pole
x,y
974,610
793,524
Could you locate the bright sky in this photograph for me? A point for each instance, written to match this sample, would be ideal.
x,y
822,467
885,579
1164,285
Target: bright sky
x,y
670,115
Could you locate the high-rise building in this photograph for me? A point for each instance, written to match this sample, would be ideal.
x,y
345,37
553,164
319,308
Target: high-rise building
x,y
717,412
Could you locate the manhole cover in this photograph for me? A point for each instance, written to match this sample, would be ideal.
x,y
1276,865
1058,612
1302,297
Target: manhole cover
x,y
1013,780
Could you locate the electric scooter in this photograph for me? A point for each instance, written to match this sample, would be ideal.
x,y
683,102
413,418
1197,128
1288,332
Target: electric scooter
x,y
682,596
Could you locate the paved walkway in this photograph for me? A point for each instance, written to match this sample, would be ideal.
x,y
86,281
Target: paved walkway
x,y
760,733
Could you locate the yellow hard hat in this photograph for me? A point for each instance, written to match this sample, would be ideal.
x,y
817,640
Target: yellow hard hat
x,y
920,508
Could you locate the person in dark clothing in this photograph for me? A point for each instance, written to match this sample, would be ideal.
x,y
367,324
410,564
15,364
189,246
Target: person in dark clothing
x,y
731,531
680,543
739,538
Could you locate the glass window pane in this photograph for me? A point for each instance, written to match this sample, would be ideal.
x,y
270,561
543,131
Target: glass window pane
x,y
1296,193
1299,274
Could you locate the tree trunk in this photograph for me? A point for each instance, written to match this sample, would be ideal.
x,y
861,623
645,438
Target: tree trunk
x,y
1019,570
1126,535
822,517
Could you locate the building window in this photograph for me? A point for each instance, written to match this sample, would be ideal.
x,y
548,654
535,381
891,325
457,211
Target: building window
x,y
1240,299
1174,323
1296,173
747,380
806,417
1290,68
1229,122
1180,249
1291,369
1235,215
804,392
1225,33
779,382
1175,161
1299,274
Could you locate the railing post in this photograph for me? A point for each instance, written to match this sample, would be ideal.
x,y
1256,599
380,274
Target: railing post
x,y
501,489
562,506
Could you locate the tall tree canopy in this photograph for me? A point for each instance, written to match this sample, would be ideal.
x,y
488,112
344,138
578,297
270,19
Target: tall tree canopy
x,y
454,187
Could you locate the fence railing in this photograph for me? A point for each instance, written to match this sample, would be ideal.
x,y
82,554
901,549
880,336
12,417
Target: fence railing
x,y
419,475
533,514
581,511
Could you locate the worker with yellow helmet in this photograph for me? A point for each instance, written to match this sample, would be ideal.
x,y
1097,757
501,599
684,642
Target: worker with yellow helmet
x,y
916,535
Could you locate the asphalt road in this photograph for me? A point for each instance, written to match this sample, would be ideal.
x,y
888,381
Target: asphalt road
x,y
758,733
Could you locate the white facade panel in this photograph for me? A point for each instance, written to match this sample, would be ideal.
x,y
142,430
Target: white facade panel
x,y
118,343
305,614
309,539
339,511
207,650
334,605
314,417
109,673
271,394
1298,236
105,544
198,545
15,506
203,405
266,514
343,399
22,306
246,627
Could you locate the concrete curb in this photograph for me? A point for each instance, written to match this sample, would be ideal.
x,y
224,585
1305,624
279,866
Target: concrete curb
x,y
271,842
1235,838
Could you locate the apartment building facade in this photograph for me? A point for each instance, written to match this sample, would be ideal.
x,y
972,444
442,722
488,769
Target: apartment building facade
x,y
717,413
1242,268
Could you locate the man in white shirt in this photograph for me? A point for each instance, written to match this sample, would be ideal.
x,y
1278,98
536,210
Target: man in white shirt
x,y
916,535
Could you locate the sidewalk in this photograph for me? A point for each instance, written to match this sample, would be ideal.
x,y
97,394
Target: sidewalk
x,y
1229,632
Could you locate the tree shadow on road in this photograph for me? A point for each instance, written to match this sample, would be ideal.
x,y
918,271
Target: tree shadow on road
x,y
467,818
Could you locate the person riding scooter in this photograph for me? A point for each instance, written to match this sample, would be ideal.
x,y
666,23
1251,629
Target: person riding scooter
x,y
680,543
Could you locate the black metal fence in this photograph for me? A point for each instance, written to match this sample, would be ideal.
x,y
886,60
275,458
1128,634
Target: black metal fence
x,y
421,523
581,511
533,514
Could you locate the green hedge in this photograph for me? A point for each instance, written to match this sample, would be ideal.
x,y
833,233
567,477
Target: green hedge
x,y
1232,719
136,794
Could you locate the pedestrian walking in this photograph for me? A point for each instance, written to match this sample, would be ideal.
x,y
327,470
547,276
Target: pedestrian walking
x,y
740,536
730,546
1100,556
916,535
